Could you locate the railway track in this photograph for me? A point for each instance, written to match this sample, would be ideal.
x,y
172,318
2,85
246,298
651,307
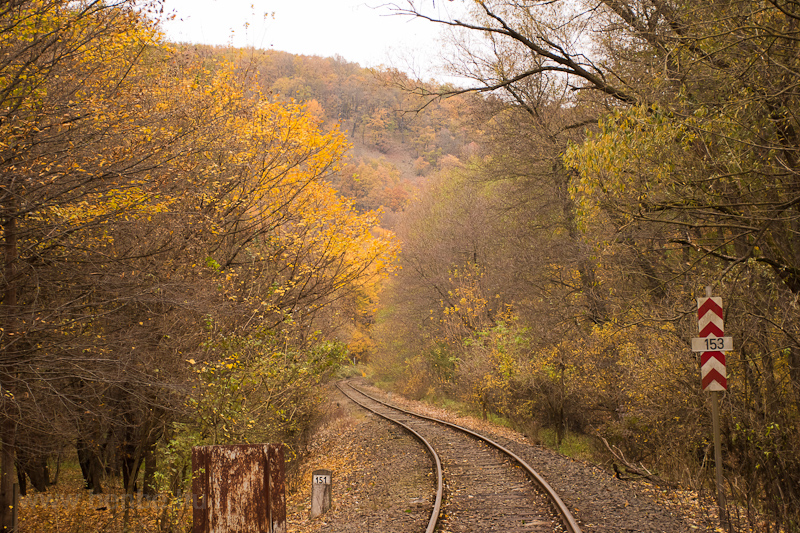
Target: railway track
x,y
481,486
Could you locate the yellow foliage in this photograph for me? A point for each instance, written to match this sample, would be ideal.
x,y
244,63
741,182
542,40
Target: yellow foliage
x,y
628,163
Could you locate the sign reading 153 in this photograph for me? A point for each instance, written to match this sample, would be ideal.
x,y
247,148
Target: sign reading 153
x,y
712,344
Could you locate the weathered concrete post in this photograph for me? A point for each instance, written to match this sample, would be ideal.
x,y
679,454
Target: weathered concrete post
x,y
321,492
238,489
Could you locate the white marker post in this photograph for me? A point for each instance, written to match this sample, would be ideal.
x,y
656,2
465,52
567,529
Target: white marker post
x,y
713,346
321,492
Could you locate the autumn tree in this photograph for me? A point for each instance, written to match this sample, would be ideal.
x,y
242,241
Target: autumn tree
x,y
72,161
709,189
154,202
688,180
373,184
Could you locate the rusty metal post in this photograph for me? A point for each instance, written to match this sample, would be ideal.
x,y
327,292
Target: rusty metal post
x,y
276,485
238,489
200,468
321,492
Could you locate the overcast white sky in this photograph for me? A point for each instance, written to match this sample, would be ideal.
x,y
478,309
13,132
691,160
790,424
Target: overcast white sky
x,y
361,31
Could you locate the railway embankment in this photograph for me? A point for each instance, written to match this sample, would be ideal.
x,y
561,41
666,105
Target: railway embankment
x,y
382,479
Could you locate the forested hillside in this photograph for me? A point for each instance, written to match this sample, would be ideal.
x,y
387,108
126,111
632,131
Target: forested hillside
x,y
394,143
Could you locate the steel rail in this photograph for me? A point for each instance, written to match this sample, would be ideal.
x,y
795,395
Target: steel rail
x,y
437,505
567,519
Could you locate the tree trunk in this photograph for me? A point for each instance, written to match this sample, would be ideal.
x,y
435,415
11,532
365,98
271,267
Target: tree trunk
x,y
90,466
562,423
36,469
22,480
33,467
794,373
149,490
8,428
597,310
131,461
8,409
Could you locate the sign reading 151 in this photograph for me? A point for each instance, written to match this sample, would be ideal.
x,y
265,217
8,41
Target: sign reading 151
x,y
712,344
322,480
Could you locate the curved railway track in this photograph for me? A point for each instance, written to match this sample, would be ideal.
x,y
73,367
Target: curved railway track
x,y
481,486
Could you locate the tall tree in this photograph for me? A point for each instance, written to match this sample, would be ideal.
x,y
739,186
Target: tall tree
x,y
153,201
690,179
65,71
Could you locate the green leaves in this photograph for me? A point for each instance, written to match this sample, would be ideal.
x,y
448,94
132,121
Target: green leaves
x,y
255,388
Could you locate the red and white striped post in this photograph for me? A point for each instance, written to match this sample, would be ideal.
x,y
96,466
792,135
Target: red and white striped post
x,y
712,345
712,327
